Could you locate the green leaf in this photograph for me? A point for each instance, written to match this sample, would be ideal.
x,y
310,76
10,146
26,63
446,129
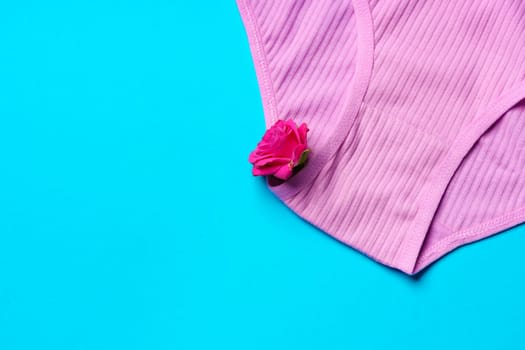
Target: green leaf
x,y
303,157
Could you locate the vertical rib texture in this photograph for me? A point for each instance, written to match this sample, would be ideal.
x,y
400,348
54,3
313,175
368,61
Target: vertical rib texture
x,y
436,155
310,49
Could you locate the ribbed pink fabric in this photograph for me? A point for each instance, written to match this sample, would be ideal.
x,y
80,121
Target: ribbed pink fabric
x,y
416,113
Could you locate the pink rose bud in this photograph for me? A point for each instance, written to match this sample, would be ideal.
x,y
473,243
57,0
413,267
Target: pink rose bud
x,y
282,148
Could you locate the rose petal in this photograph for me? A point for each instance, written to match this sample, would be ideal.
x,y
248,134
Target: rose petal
x,y
269,169
286,146
270,160
252,158
279,150
284,172
264,171
298,150
296,133
303,129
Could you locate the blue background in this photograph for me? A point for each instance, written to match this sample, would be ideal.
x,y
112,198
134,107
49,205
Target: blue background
x,y
129,218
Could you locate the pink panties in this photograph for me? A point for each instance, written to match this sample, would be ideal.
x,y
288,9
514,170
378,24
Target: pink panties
x,y
416,111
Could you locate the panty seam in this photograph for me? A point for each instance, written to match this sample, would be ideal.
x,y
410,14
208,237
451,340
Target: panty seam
x,y
475,233
408,257
261,62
